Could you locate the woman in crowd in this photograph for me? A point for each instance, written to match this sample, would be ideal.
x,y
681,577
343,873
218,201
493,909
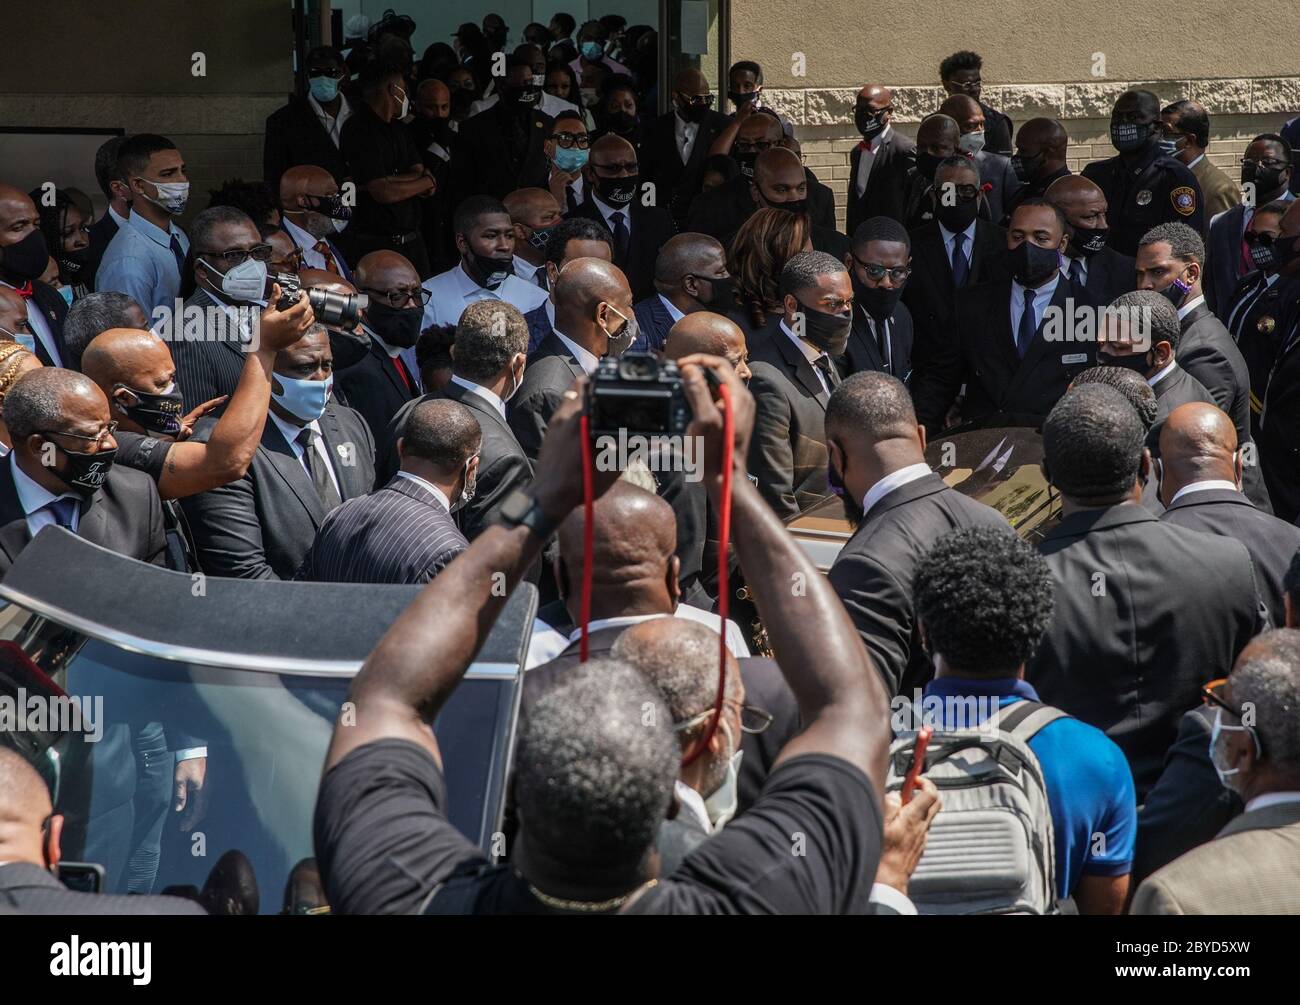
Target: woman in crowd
x,y
65,225
759,251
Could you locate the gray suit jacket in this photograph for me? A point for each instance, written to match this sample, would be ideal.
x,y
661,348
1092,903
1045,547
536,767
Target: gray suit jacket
x,y
1250,868
551,371
28,889
996,170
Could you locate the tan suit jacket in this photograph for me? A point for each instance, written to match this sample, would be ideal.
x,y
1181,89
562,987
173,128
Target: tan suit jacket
x,y
1219,191
1251,867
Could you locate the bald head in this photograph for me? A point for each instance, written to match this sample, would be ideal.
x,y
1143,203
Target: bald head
x,y
711,334
1084,206
964,110
876,94
1071,190
433,98
938,135
686,253
331,282
759,128
124,355
308,180
778,166
384,270
535,208
612,147
633,543
690,81
581,288
1040,147
1198,442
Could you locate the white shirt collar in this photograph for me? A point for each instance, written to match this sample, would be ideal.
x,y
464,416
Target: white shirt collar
x,y
1161,374
1210,484
1195,162
428,486
625,621
693,803
1272,799
33,496
1046,290
949,234
893,480
291,432
608,211
487,395
301,237
1190,306
671,308
585,357
811,352
526,270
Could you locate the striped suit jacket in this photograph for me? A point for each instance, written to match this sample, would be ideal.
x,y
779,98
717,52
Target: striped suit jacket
x,y
207,368
397,534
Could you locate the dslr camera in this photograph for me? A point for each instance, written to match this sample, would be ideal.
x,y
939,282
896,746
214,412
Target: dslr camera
x,y
329,307
637,393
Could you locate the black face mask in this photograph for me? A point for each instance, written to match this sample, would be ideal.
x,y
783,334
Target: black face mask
x,y
618,191
868,123
1268,180
790,205
1176,292
741,100
878,301
523,98
1139,363
957,217
1026,169
828,332
692,113
746,162
1127,137
490,272
72,265
27,259
1031,265
834,482
620,123
1090,240
159,414
398,327
85,473
926,165
348,347
333,206
723,296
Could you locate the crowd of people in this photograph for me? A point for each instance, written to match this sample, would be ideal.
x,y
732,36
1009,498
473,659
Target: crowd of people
x,y
479,229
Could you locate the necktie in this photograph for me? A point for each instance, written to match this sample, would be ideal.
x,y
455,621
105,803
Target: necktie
x,y
317,467
62,510
570,198
24,291
620,239
960,264
323,248
829,373
881,328
402,372
1025,333
539,277
179,254
1076,271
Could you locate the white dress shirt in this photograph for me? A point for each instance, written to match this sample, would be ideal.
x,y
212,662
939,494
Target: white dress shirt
x,y
811,353
452,291
950,240
1272,799
291,433
1162,373
893,480
1190,306
585,357
527,271
33,497
684,132
1042,297
429,487
546,643
1210,484
1068,264
333,123
482,392
608,211
867,159
311,258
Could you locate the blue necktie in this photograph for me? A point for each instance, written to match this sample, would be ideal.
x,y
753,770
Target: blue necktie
x,y
621,236
62,510
1076,271
1025,333
179,254
960,266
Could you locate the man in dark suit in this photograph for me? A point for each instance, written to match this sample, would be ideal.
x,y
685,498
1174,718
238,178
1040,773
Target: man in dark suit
x,y
936,140
1146,612
677,143
794,374
960,73
118,196
24,258
314,455
310,207
1039,159
898,508
878,165
690,275
997,177
575,237
1200,473
30,835
404,532
615,199
500,149
1014,348
1267,166
593,305
60,472
879,265
1089,261
951,253
487,369
1173,253
781,182
307,129
382,382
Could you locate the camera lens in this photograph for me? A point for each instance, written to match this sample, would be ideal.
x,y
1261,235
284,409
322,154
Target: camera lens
x,y
336,308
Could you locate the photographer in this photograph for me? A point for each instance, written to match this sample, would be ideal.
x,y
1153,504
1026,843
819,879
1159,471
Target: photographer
x,y
597,759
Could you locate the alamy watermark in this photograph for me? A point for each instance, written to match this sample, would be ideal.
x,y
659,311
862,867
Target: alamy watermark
x,y
1076,322
61,713
179,322
658,452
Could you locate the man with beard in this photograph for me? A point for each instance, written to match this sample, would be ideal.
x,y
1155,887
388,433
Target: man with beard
x,y
794,373
311,211
382,382
879,265
898,508
1101,270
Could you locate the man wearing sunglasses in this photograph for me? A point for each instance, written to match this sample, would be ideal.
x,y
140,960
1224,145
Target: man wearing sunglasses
x,y
61,472
678,143
1249,868
879,265
878,165
307,129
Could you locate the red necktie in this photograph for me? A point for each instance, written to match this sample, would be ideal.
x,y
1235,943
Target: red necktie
x,y
323,247
24,291
402,372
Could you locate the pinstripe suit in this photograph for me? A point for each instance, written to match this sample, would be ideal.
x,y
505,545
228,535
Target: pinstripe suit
x,y
206,369
398,534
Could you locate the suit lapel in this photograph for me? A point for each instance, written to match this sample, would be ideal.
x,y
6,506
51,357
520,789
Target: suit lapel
x,y
988,245
93,519
350,483
803,369
477,405
863,345
13,521
389,367
282,460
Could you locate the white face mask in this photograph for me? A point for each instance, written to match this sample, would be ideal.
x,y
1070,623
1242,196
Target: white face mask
x,y
172,195
1223,773
515,381
471,486
245,282
406,105
721,803
971,143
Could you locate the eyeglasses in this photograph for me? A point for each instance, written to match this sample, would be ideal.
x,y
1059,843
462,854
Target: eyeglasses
x,y
570,140
877,272
336,72
98,439
752,146
698,100
623,167
1212,694
966,85
396,298
233,257
1266,162
753,720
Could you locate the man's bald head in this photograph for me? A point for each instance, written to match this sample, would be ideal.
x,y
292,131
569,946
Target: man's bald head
x,y
121,355
614,147
938,135
1040,146
690,81
585,283
685,253
1198,442
15,198
328,280
535,208
876,93
962,109
1072,190
778,166
432,92
711,334
760,128
382,270
1043,132
305,180
1082,203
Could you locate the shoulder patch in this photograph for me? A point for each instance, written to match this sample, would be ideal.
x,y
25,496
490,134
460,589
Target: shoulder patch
x,y
1184,200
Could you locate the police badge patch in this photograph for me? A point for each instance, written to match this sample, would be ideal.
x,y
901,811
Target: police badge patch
x,y
1184,200
1143,198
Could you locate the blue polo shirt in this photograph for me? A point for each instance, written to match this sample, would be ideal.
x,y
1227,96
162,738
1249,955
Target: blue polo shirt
x,y
1089,784
139,262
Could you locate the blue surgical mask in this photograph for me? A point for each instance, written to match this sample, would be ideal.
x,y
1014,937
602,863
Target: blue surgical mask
x,y
570,159
66,293
324,89
303,399
593,51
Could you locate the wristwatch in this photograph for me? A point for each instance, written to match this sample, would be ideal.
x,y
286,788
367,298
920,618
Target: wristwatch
x,y
522,509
